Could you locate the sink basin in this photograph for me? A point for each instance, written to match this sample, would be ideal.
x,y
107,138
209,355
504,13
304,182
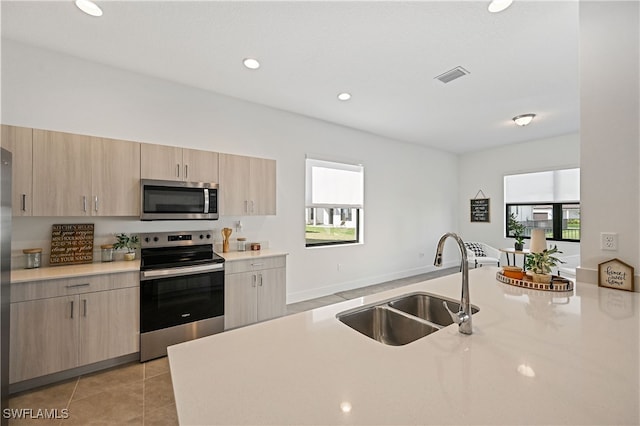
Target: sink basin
x,y
386,326
402,320
428,307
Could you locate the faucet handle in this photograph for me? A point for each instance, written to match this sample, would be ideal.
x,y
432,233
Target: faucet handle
x,y
459,318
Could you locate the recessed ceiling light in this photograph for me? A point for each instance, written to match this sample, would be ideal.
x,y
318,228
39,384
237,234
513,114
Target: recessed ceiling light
x,y
344,96
89,7
251,63
499,5
524,119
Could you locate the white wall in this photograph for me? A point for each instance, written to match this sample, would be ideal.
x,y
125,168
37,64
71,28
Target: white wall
x,y
485,170
610,134
410,191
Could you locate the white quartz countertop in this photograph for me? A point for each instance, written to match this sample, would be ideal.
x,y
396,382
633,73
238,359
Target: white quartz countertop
x,y
535,358
70,271
87,269
242,255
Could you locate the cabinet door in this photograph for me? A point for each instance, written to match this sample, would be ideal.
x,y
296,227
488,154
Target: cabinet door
x,y
200,166
116,178
44,337
271,293
109,324
61,174
262,189
93,327
240,299
18,140
234,184
124,321
160,162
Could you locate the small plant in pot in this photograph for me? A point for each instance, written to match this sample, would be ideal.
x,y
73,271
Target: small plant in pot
x,y
516,229
539,265
128,242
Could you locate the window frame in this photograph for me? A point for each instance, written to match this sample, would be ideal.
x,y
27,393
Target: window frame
x,y
556,219
332,196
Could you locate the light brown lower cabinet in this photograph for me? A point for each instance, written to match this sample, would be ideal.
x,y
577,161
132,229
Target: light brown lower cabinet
x,y
255,290
96,320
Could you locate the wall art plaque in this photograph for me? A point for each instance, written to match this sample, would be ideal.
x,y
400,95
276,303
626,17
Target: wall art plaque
x,y
71,244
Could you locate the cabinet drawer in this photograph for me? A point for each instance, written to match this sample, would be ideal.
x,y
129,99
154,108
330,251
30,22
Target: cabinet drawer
x,y
34,290
255,264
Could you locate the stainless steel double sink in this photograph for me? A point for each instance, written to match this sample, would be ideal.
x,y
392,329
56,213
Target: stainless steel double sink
x,y
402,320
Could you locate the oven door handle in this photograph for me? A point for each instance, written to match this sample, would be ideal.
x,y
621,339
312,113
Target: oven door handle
x,y
176,272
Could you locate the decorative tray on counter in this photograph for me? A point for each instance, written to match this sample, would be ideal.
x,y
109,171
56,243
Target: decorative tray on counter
x,y
557,283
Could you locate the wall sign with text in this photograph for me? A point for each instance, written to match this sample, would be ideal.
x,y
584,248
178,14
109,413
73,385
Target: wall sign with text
x,y
480,210
616,274
71,244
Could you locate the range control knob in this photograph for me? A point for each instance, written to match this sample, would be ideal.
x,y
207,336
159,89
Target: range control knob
x,y
146,239
208,236
155,239
201,236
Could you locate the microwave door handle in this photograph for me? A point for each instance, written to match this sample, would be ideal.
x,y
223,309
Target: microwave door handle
x,y
206,200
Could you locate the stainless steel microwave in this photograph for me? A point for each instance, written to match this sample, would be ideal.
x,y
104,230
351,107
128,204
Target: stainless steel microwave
x,y
173,200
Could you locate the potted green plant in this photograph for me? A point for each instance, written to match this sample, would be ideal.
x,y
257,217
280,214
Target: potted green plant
x,y
128,242
539,265
516,229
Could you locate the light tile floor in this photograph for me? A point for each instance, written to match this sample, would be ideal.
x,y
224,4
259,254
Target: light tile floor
x,y
141,393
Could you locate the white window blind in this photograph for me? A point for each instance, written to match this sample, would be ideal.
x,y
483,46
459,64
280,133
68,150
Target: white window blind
x,y
331,184
551,186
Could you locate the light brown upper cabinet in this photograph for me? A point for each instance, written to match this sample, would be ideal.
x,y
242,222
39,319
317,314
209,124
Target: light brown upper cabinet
x,y
77,175
18,140
247,185
116,178
181,164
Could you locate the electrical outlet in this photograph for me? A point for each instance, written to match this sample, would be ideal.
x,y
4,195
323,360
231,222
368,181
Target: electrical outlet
x,y
338,267
609,241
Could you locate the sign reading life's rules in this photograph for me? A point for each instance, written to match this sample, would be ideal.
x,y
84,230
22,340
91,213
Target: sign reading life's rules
x,y
71,244
480,210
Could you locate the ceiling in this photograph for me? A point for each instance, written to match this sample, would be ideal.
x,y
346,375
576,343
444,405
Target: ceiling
x,y
385,53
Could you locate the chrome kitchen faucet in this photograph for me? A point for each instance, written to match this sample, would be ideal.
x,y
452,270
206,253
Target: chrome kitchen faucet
x,y
463,317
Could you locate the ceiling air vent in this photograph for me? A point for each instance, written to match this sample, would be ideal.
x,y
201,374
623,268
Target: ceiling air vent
x,y
451,75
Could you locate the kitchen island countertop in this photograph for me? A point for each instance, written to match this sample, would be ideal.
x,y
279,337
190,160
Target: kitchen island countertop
x,y
535,358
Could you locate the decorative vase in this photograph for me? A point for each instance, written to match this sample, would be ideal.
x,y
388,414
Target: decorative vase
x,y
130,256
518,246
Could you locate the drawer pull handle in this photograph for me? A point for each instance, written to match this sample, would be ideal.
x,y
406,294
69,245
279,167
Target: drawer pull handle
x,y
84,302
72,309
257,264
78,285
24,203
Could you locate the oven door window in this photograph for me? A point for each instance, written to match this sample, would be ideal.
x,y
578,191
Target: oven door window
x,y
162,199
166,302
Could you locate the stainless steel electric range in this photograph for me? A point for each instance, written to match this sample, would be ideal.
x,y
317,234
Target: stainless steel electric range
x,y
181,290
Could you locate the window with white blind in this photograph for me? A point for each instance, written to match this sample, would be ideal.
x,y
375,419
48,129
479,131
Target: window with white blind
x,y
334,203
548,200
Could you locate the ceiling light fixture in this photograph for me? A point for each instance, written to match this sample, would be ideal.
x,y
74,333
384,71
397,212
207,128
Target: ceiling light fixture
x,y
344,96
251,63
499,5
89,7
524,119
